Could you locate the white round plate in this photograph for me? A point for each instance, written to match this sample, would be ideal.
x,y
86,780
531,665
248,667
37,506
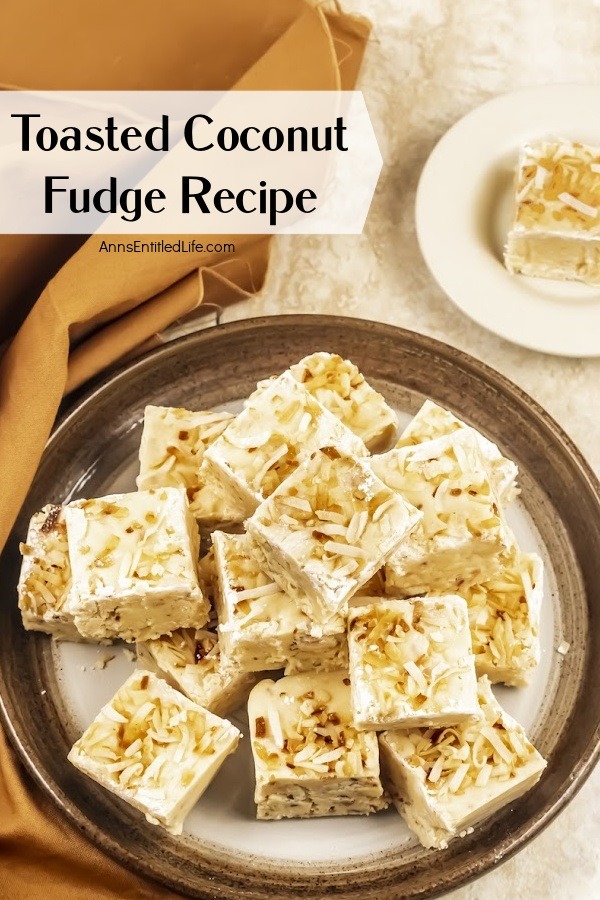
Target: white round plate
x,y
463,211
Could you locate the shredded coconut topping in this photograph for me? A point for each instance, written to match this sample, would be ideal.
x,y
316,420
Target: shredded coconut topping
x,y
447,481
173,445
339,515
310,731
406,654
453,760
433,421
46,575
172,451
559,187
504,619
145,740
462,532
255,597
340,387
133,539
280,426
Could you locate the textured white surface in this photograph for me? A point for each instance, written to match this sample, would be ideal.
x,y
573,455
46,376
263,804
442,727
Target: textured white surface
x,y
430,62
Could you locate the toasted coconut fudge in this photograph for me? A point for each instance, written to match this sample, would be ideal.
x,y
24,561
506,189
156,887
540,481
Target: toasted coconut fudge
x,y
339,386
45,580
411,663
556,229
445,780
191,661
309,758
155,749
328,528
462,534
172,451
343,390
134,562
279,428
263,628
504,615
433,421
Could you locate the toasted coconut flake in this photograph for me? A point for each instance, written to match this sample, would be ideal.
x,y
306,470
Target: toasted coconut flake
x,y
328,516
298,503
578,205
347,569
499,746
418,676
265,590
344,550
383,508
275,726
452,760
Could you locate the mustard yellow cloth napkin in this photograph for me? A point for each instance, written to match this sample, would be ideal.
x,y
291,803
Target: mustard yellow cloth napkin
x,y
97,308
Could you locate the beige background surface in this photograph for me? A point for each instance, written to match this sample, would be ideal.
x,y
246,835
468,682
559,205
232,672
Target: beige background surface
x,y
431,61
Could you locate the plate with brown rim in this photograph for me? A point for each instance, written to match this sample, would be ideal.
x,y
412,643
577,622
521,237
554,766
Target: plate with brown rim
x,y
50,693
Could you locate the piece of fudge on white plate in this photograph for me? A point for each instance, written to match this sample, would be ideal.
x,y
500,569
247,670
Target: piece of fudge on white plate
x,y
462,534
555,232
504,615
191,660
443,781
277,430
172,449
328,528
309,758
134,559
433,421
154,749
411,663
45,579
260,626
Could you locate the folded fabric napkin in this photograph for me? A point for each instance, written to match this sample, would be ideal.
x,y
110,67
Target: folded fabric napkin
x,y
97,308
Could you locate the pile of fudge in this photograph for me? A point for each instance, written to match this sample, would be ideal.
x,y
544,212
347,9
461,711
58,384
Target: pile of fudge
x,y
359,599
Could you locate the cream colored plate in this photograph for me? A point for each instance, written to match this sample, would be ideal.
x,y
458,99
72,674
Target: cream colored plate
x,y
463,209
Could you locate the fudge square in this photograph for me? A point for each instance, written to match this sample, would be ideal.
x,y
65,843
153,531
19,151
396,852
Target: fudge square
x,y
343,390
45,579
445,780
462,534
279,428
555,231
260,626
339,386
309,758
328,528
411,663
433,421
504,615
191,661
134,562
154,749
172,449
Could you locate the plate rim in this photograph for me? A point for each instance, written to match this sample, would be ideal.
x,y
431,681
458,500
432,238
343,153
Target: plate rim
x,y
584,764
439,271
